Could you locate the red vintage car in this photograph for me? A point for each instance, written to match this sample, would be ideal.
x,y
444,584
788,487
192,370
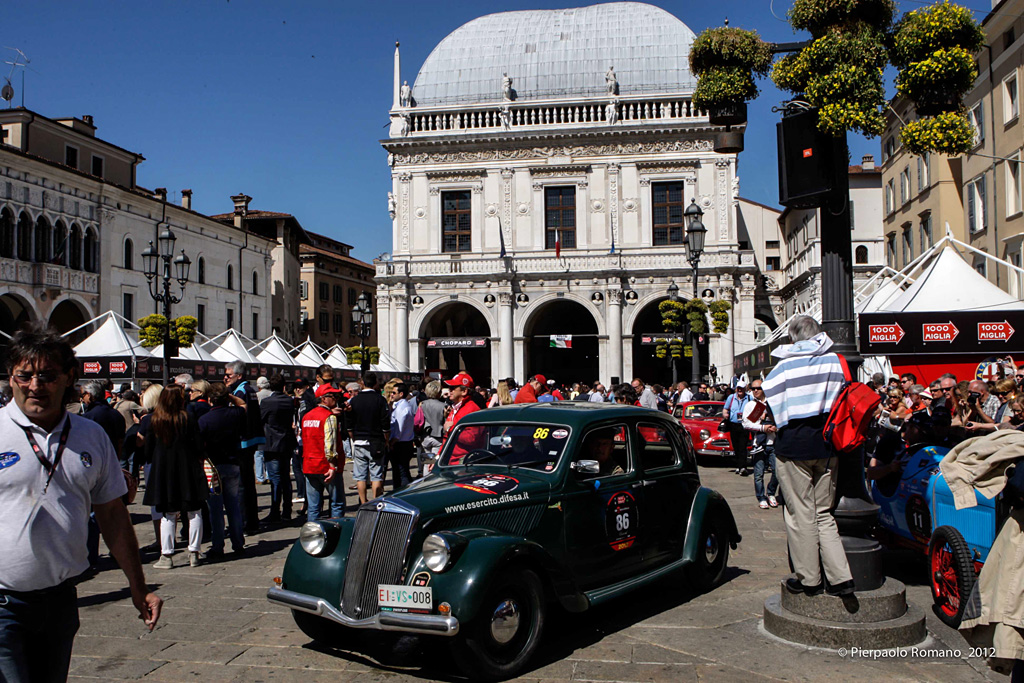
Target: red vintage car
x,y
701,419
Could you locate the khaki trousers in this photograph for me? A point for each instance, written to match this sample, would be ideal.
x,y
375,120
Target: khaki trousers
x,y
809,487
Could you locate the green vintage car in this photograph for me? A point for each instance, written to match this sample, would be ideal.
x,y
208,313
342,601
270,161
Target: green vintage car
x,y
530,508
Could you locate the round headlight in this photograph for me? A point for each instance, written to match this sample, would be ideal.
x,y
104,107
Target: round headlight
x,y
313,538
436,553
705,435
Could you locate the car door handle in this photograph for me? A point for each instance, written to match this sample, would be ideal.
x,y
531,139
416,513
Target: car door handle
x,y
641,484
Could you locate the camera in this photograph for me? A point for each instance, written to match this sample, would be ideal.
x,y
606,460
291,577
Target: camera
x,y
973,397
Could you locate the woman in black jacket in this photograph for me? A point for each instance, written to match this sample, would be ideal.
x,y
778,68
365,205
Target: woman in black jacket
x,y
177,483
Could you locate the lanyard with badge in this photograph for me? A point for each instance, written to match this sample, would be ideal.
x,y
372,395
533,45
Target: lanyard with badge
x,y
50,467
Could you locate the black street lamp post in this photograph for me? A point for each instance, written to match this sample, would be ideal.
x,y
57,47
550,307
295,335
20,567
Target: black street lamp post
x,y
673,295
695,233
362,317
160,285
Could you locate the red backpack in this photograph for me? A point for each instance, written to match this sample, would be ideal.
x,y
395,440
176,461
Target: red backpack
x,y
851,414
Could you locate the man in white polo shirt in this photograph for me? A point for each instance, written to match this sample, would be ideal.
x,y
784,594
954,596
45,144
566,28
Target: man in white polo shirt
x,y
55,468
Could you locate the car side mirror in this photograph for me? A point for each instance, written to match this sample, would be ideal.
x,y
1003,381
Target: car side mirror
x,y
587,466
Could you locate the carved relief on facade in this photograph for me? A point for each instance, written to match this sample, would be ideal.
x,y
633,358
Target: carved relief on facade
x,y
630,204
722,204
625,148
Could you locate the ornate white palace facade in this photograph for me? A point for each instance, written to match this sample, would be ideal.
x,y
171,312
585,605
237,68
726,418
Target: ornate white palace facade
x,y
541,163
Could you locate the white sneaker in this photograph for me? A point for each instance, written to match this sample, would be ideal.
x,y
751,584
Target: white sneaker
x,y
298,500
165,562
773,502
194,558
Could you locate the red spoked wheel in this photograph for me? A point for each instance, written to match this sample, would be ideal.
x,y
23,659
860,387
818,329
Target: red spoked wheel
x,y
952,574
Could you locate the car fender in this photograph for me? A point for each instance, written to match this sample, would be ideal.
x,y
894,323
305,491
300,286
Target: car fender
x,y
321,576
463,584
707,502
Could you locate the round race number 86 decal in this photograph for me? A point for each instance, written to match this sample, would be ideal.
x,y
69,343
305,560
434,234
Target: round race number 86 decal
x,y
621,520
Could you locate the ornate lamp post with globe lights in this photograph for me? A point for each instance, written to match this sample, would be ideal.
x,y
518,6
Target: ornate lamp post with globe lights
x,y
362,317
160,285
695,233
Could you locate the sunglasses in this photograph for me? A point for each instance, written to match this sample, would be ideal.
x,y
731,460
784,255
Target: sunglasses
x,y
25,378
756,389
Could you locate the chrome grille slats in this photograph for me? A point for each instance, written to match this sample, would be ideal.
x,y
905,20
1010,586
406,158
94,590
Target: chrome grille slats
x,y
376,556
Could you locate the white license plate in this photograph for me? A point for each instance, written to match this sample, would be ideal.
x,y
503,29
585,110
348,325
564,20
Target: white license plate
x,y
414,599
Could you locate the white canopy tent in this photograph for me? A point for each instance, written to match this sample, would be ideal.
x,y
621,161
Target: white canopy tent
x,y
195,352
337,358
110,339
949,283
229,345
308,354
274,352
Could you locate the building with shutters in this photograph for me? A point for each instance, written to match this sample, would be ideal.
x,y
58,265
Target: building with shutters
x,y
541,162
332,280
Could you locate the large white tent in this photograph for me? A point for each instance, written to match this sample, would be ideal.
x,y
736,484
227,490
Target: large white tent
x,y
309,355
110,339
949,283
229,345
274,352
337,358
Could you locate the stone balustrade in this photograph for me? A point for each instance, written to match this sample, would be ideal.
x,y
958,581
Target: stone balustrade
x,y
48,275
545,262
536,114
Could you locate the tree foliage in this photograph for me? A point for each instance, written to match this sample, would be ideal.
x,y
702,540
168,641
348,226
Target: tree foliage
x,y
355,354
841,71
152,328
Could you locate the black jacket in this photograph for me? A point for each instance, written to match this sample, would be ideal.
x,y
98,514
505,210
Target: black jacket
x,y
253,435
112,422
176,481
369,416
221,432
278,411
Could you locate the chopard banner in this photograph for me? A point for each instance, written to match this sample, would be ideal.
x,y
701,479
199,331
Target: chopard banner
x,y
655,338
987,332
456,342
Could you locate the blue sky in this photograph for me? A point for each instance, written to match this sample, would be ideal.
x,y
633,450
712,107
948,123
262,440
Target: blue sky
x,y
286,101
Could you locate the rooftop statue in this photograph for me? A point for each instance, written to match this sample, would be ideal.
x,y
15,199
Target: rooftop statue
x,y
405,95
611,81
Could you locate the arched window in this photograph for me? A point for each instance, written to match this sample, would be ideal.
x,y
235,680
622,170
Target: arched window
x,y
255,282
7,234
231,277
129,255
75,248
60,244
201,271
861,254
41,252
24,237
89,251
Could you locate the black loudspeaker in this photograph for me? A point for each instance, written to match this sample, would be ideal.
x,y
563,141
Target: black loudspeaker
x,y
807,161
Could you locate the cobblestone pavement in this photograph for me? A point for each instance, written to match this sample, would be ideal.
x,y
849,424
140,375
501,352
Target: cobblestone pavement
x,y
218,626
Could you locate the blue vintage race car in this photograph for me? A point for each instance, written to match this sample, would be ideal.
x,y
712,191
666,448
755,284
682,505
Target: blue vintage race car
x,y
916,510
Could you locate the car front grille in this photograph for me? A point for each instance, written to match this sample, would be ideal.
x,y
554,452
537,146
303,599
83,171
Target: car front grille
x,y
376,555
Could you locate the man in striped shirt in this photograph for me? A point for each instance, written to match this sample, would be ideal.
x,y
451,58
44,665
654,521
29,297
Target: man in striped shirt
x,y
801,390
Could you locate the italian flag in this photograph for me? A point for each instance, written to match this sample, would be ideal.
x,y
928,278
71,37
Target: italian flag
x,y
560,341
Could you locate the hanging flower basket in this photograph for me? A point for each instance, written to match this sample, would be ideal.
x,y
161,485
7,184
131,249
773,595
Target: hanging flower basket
x,y
725,61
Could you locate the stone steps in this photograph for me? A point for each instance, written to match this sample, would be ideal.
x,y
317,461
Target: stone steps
x,y
876,619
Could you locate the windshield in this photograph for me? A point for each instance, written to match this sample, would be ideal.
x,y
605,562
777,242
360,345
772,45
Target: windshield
x,y
701,411
536,446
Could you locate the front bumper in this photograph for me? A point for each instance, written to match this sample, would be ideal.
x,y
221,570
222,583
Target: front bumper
x,y
715,451
428,624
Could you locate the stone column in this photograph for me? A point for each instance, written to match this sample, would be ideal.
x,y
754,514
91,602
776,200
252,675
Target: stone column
x,y
506,364
401,302
614,334
383,320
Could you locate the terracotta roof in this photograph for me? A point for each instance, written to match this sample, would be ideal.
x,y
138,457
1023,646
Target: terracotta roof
x,y
305,249
860,170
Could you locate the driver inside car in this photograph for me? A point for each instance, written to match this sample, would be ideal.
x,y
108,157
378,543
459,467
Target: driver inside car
x,y
600,446
523,449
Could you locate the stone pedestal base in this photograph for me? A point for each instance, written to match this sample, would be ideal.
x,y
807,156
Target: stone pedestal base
x,y
875,619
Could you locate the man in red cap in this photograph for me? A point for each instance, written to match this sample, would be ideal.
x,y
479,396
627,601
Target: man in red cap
x,y
462,405
321,462
536,386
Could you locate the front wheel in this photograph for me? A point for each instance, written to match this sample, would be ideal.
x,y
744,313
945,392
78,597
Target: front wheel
x,y
506,632
708,570
952,574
